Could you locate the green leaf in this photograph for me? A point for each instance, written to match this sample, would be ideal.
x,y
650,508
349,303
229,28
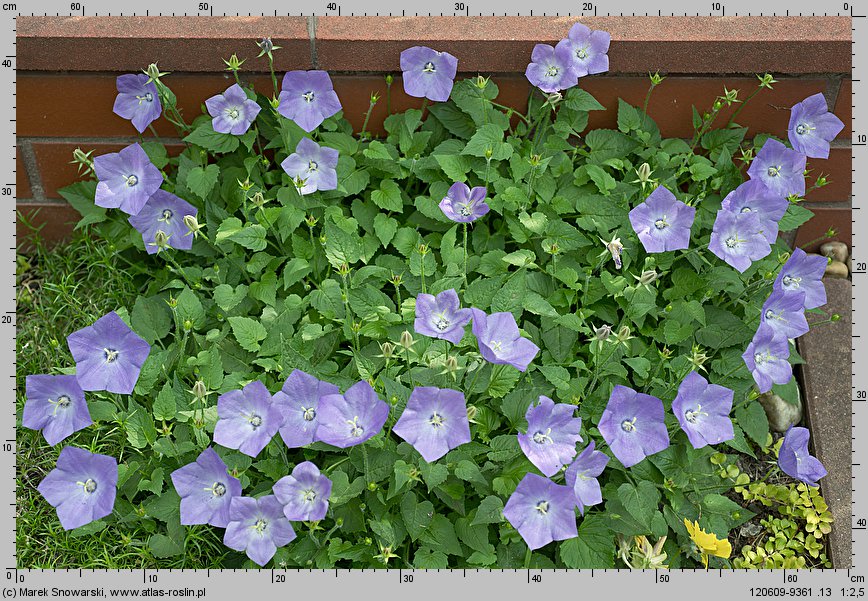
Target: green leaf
x,y
342,246
385,228
629,118
594,547
608,144
605,182
752,419
248,332
151,318
488,138
140,426
81,196
189,309
388,197
469,471
227,297
163,546
640,501
795,216
581,100
417,516
511,296
249,236
200,181
210,140
164,404
490,511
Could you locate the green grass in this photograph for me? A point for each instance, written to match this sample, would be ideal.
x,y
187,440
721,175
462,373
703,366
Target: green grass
x,y
61,290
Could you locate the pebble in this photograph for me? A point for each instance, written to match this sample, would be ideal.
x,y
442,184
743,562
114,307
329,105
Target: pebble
x,y
837,269
837,250
781,414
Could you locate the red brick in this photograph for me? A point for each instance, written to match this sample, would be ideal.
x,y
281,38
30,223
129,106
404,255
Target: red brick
x,y
839,219
55,169
639,44
61,105
844,108
175,43
22,181
838,171
54,220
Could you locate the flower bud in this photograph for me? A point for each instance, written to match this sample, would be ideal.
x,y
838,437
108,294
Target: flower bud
x,y
423,249
656,79
698,358
161,241
835,317
389,80
396,279
153,72
375,97
665,353
648,277
717,105
372,486
644,172
471,413
624,334
246,185
387,350
406,341
200,391
603,332
488,153
481,82
193,225
766,81
343,270
266,46
234,63
172,302
188,325
83,160
258,200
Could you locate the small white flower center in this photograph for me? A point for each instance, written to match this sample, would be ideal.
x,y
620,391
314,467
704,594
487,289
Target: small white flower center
x,y
167,215
552,71
254,420
791,280
496,346
466,209
774,171
309,413
629,425
661,223
308,496
429,68
356,430
746,210
732,242
762,358
436,420
260,525
441,323
541,437
148,97
110,355
582,53
88,485
218,489
312,166
308,96
542,507
692,415
132,180
803,128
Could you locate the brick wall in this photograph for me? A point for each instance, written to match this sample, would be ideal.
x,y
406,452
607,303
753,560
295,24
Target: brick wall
x,y
67,67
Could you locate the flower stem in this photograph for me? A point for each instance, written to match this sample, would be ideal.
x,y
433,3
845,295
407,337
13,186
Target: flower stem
x,y
409,368
273,76
527,557
465,256
367,118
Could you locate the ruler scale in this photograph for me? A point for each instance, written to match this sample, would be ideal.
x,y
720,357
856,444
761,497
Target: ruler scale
x,y
434,584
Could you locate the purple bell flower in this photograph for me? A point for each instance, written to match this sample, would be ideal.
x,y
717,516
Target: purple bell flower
x,y
137,100
82,487
551,68
164,212
703,410
232,111
500,341
206,490
304,494
633,425
55,405
804,273
738,239
662,222
434,421
780,169
441,316
308,98
314,165
428,73
552,435
582,476
753,197
247,419
784,312
766,358
588,50
257,527
796,461
351,418
127,179
299,401
463,204
542,511
812,127
108,355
